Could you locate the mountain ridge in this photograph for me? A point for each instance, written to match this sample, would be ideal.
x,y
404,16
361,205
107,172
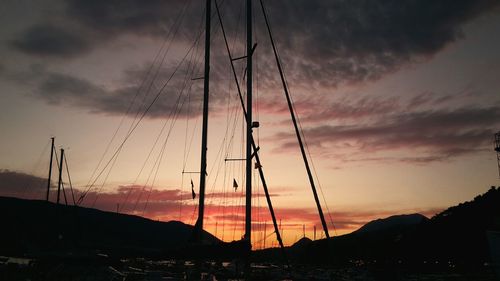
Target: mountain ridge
x,y
40,226
457,234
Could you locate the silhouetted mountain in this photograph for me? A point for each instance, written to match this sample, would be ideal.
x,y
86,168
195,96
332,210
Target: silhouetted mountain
x,y
392,222
34,226
303,242
457,235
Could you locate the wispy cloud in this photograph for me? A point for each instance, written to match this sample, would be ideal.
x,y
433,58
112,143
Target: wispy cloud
x,y
436,135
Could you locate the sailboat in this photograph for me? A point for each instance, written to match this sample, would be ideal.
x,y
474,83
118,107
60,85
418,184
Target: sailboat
x,y
252,150
252,157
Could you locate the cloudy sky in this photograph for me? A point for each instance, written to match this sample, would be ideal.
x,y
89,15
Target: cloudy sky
x,y
398,102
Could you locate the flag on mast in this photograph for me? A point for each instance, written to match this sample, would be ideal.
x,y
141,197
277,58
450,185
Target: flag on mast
x,y
193,194
235,184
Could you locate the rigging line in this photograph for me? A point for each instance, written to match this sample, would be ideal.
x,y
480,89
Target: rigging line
x,y
156,74
219,153
64,194
132,126
200,28
69,179
181,198
57,161
223,198
187,129
190,143
223,201
195,56
232,115
229,153
147,159
296,126
122,119
160,156
104,182
311,159
309,154
34,168
161,90
143,81
156,141
195,209
175,28
186,150
321,190
254,147
174,120
171,117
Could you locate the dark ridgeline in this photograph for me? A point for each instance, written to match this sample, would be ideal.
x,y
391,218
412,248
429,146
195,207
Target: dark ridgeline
x,y
34,227
452,242
457,236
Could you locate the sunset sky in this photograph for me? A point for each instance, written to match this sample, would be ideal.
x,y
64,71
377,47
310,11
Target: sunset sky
x,y
398,102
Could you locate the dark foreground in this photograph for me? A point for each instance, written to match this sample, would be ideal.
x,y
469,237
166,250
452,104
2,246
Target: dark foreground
x,y
104,268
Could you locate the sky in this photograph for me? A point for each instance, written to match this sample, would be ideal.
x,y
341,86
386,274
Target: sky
x,y
397,100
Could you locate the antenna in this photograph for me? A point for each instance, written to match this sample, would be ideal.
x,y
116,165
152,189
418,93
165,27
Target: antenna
x,y
497,149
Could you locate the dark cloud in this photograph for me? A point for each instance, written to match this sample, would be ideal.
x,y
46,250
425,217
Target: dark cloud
x,y
84,25
50,40
169,88
17,184
435,135
352,41
323,43
63,89
152,17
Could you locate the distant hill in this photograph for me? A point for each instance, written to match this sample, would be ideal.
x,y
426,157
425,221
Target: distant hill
x,y
34,226
458,234
392,222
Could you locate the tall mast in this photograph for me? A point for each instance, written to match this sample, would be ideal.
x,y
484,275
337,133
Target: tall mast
x,y
248,197
60,176
203,169
50,168
254,146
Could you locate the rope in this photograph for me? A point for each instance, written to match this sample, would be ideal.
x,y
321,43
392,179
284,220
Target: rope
x,y
174,117
69,179
143,81
135,123
161,90
35,167
298,128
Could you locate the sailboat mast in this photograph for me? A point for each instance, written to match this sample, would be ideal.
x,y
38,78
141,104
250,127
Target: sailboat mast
x,y
50,168
254,146
248,197
60,176
204,133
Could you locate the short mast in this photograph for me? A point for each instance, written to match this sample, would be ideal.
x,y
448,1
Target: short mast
x,y
50,169
203,170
